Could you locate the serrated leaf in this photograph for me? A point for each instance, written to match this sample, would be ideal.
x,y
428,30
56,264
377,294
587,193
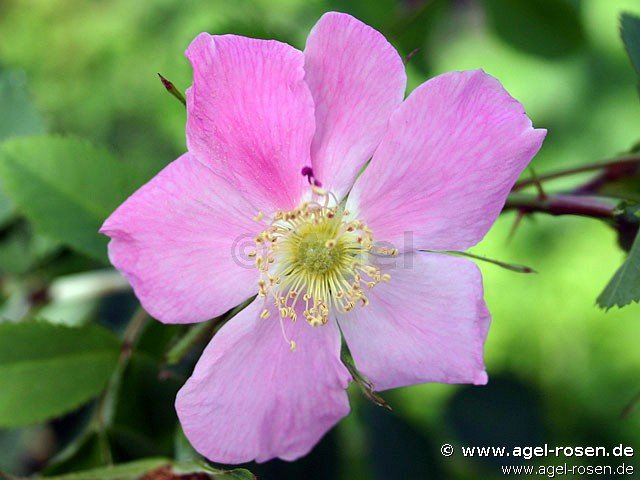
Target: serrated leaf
x,y
47,370
67,187
548,28
624,287
630,33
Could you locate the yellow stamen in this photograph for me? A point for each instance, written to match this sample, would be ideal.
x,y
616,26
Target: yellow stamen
x,y
314,255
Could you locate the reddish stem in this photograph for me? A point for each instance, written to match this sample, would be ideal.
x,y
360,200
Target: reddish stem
x,y
616,168
594,207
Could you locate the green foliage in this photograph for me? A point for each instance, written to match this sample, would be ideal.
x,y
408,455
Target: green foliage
x,y
186,468
185,343
125,471
18,115
93,68
624,287
144,422
21,249
549,28
48,370
630,33
67,187
164,467
6,209
90,450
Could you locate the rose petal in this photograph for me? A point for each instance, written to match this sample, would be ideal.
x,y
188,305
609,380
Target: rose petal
x,y
251,397
174,240
443,171
250,116
357,80
428,324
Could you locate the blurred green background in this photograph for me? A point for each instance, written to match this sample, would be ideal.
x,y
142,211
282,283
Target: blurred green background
x,y
561,370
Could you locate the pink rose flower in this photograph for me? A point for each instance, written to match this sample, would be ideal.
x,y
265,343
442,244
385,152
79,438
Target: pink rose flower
x,y
271,382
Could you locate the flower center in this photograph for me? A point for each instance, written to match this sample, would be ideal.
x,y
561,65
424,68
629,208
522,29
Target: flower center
x,y
316,257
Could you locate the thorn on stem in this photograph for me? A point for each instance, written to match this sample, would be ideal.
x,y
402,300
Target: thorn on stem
x,y
538,184
410,55
516,223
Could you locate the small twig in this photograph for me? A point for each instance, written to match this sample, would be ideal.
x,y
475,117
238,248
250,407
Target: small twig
x,y
105,406
620,162
132,332
200,332
560,204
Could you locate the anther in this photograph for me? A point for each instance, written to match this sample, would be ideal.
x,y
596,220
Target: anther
x,y
298,256
318,190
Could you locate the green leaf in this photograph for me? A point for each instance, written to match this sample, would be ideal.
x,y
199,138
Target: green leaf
x,y
140,426
183,450
136,470
7,209
624,287
187,468
630,33
21,249
125,471
185,343
47,370
627,223
18,115
89,450
548,28
199,333
67,188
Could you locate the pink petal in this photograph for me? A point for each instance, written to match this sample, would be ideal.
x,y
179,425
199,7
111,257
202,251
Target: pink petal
x,y
445,167
428,324
179,241
251,397
250,116
357,80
